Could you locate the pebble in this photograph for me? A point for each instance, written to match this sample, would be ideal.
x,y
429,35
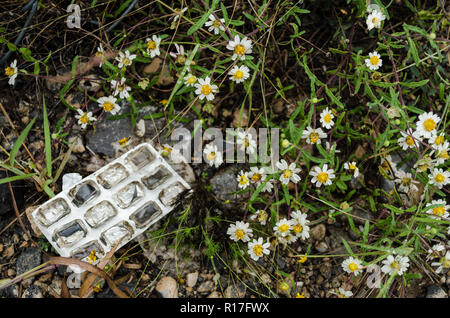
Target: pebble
x,y
318,232
167,287
206,286
140,128
235,291
321,247
191,279
32,292
224,184
435,291
29,259
215,294
78,146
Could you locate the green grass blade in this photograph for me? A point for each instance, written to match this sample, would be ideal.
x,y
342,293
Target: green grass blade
x,y
19,141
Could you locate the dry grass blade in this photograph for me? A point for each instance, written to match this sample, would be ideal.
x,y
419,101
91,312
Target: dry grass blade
x,y
65,290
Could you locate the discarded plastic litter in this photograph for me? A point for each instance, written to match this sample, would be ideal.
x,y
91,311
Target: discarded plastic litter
x,y
114,204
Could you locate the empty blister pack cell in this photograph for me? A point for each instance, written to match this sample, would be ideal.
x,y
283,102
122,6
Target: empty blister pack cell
x,y
140,158
83,193
100,214
112,176
84,251
156,178
145,214
169,195
52,212
129,195
119,232
70,234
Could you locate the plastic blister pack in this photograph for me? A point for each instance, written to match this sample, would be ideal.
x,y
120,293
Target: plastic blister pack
x,y
115,204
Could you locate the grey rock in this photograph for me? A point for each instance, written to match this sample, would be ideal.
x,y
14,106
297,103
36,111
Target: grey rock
x,y
360,216
215,294
224,185
33,292
435,291
318,232
321,247
206,286
325,269
191,279
167,287
10,291
29,259
235,291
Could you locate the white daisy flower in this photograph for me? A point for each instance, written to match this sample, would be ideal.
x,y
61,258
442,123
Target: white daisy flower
x,y
240,232
190,80
257,175
374,61
282,227
441,153
288,239
100,53
326,118
344,293
11,71
179,53
374,19
240,47
409,139
329,147
300,225
439,177
120,88
153,46
313,136
108,103
395,265
435,250
260,216
322,176
406,182
179,13
444,263
268,186
239,74
125,59
246,142
257,248
243,180
289,172
215,25
388,164
441,211
352,167
426,124
424,164
436,140
352,265
205,89
84,118
213,156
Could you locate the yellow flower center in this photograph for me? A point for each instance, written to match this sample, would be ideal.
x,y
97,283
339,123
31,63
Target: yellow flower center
x,y
123,141
283,228
439,140
375,20
216,24
120,87
327,118
256,177
322,177
439,211
206,89
239,49
246,142
406,181
374,60
191,79
410,141
151,45
239,234
108,106
395,265
429,124
352,166
258,249
126,61
243,180
439,178
445,262
181,59
99,54
297,228
287,173
84,119
92,257
314,137
211,156
353,267
443,154
239,74
9,71
302,295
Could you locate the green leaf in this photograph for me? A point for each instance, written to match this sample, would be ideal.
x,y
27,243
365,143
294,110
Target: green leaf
x,y
19,141
15,178
48,140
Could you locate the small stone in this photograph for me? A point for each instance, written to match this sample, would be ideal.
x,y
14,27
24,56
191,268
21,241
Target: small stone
x,y
28,260
140,128
235,291
435,291
321,247
215,294
167,287
191,279
240,119
33,292
9,251
11,272
206,286
78,146
318,232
